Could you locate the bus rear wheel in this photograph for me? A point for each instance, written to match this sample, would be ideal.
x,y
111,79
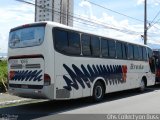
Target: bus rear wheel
x,y
98,92
142,86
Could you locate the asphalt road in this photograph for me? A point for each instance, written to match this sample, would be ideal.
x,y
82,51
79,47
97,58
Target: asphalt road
x,y
120,102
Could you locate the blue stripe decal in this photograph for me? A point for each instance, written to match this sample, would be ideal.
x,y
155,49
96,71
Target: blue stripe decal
x,y
28,75
113,74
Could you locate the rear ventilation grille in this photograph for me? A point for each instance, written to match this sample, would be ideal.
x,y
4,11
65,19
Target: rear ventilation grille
x,y
16,66
30,66
62,93
27,66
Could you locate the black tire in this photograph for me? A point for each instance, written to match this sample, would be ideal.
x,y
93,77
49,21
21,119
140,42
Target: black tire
x,y
142,86
98,92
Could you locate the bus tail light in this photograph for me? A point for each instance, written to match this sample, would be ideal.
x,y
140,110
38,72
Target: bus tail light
x,y
47,80
158,73
11,75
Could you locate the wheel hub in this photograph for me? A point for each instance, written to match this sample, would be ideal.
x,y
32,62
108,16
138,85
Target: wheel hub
x,y
98,92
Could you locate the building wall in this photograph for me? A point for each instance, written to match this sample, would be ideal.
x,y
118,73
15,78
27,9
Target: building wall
x,y
54,10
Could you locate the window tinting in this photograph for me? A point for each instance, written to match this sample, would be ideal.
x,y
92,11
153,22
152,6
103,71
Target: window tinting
x,y
61,42
86,45
119,50
140,53
95,46
124,50
74,43
104,47
130,51
67,42
112,52
144,53
150,54
136,52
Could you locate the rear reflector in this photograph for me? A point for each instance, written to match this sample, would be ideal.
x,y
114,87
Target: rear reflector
x,y
47,80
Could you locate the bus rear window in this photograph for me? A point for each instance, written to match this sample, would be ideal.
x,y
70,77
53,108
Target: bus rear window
x,y
26,37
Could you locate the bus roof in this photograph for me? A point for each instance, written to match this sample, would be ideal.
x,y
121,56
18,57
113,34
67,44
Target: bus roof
x,y
75,29
54,24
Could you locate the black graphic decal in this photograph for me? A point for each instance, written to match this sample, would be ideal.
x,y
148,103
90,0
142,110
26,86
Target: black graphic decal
x,y
113,74
81,75
75,78
27,75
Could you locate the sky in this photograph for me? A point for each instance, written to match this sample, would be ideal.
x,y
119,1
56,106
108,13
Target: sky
x,y
104,21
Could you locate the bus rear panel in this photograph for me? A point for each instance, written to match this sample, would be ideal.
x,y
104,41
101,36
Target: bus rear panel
x,y
26,63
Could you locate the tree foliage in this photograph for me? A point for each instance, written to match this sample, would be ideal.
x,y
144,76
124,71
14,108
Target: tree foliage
x,y
3,75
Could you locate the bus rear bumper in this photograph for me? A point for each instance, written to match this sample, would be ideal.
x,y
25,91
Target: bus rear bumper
x,y
32,93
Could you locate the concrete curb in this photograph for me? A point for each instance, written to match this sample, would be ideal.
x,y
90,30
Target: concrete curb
x,y
13,102
7,99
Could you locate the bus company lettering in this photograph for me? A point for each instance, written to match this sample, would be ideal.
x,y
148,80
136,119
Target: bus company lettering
x,y
136,67
27,75
112,74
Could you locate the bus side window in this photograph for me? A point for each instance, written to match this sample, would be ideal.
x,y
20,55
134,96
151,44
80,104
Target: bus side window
x,y
112,51
67,42
86,50
124,50
95,46
74,43
104,47
144,54
150,53
140,52
119,50
136,52
61,41
130,51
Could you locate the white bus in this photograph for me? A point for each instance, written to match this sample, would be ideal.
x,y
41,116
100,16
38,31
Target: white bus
x,y
52,61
